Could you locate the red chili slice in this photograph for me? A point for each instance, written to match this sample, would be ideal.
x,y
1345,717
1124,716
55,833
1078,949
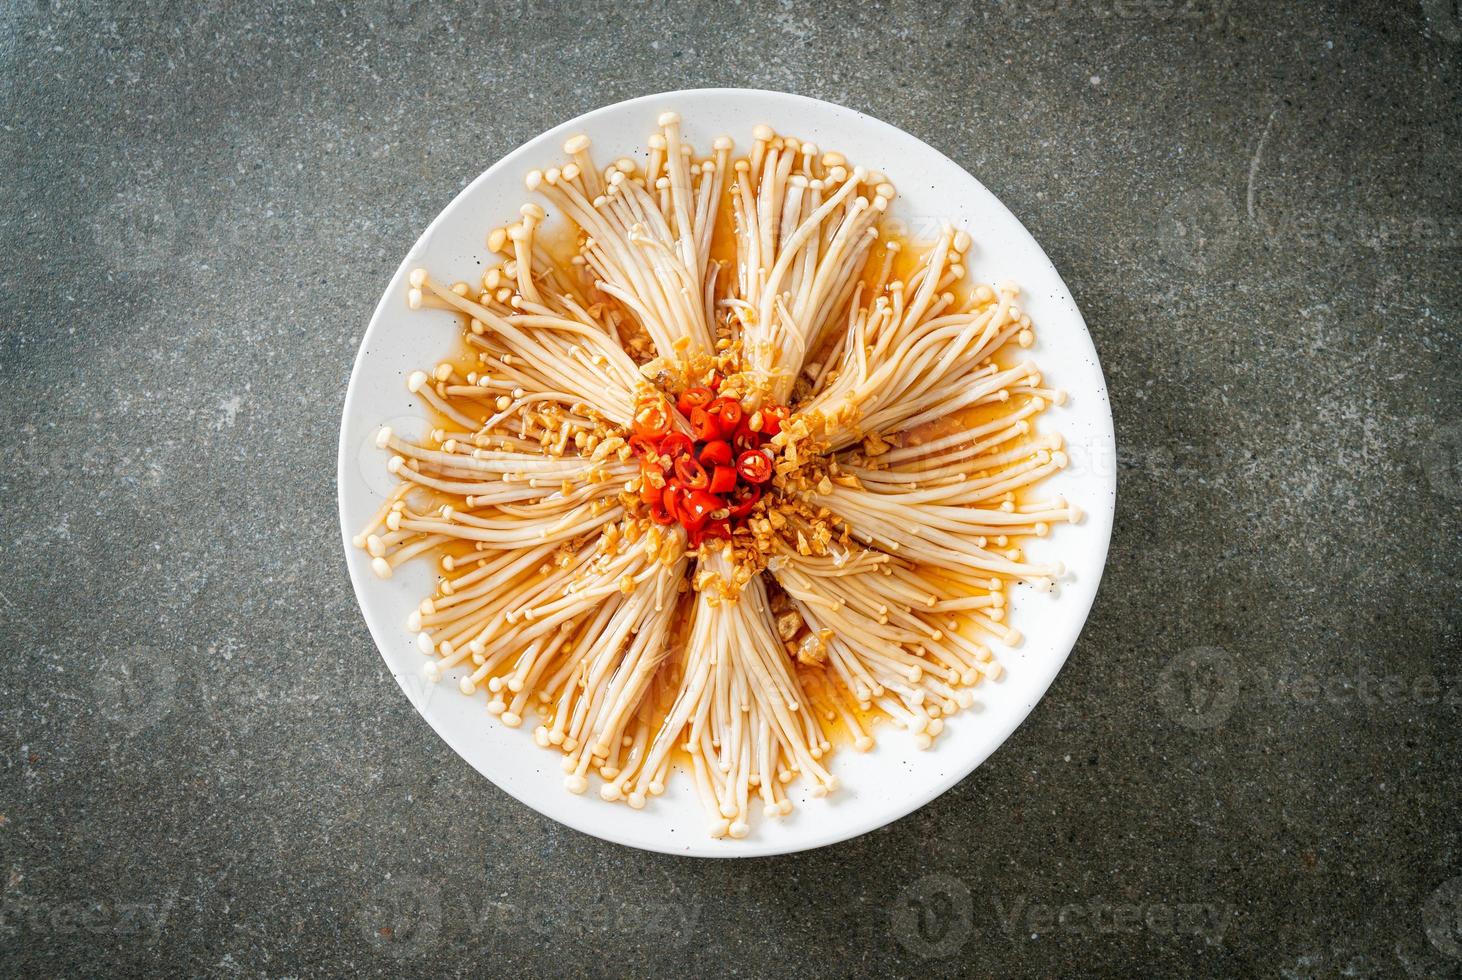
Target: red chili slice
x,y
745,441
754,466
772,418
727,413
717,452
644,445
692,474
745,433
704,425
659,514
693,398
744,501
719,528
696,506
652,420
671,497
723,479
650,493
675,445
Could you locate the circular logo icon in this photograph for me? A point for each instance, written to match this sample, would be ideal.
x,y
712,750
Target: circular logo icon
x,y
1197,231
136,687
933,916
1199,688
138,231
371,461
1443,461
1441,916
403,916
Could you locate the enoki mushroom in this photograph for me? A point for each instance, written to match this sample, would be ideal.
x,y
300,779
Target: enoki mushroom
x,y
725,482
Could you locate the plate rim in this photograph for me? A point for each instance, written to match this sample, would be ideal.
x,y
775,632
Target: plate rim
x,y
747,847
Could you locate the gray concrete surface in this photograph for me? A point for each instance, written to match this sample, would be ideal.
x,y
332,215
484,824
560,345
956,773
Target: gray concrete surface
x,y
1248,767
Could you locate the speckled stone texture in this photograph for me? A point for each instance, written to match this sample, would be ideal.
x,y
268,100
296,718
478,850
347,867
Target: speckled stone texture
x,y
1248,767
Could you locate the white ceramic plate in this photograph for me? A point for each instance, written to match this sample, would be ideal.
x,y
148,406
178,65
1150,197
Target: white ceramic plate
x,y
895,778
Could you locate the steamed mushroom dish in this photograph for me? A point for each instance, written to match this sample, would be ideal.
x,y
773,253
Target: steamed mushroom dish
x,y
725,474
